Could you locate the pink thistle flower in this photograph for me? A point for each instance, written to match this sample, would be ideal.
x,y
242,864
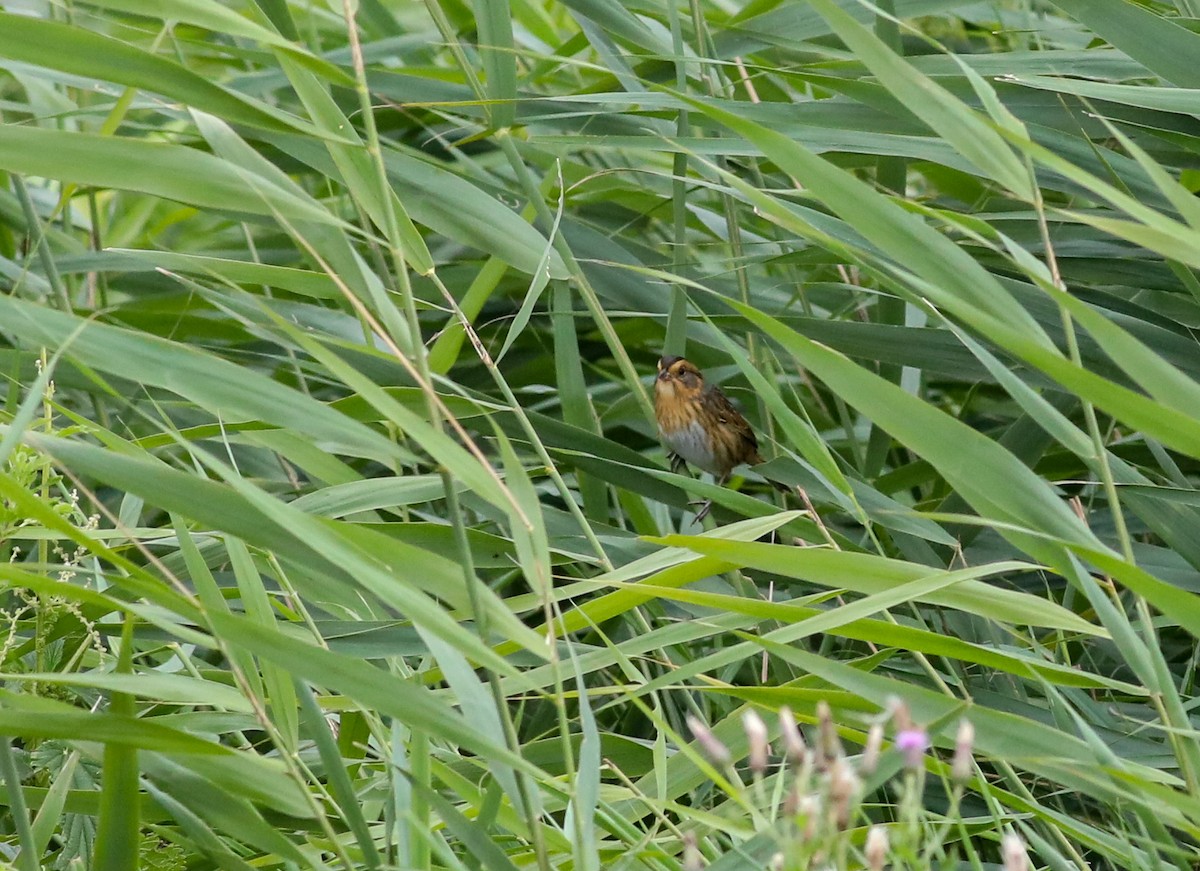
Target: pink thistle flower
x,y
913,743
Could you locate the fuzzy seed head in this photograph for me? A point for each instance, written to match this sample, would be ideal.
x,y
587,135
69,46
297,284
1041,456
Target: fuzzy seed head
x,y
964,744
900,713
1012,849
829,745
844,786
692,859
870,756
757,740
807,812
710,744
793,741
877,848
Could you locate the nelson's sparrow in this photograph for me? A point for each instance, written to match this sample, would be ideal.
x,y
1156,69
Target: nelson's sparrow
x,y
699,424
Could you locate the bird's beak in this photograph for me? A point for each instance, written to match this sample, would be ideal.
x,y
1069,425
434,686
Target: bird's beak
x,y
664,374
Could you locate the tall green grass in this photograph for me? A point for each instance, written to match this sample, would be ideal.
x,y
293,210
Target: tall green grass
x,y
334,527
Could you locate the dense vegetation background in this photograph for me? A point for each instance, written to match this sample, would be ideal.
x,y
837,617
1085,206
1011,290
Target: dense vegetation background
x,y
334,528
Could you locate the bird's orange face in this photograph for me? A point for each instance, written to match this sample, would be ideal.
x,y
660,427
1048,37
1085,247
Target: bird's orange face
x,y
677,379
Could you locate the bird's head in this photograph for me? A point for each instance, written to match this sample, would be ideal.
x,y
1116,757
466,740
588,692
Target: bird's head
x,y
678,377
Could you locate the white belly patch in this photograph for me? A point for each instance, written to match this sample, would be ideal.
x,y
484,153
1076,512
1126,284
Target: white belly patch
x,y
691,443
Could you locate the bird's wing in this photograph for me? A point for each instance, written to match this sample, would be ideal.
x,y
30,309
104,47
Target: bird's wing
x,y
732,418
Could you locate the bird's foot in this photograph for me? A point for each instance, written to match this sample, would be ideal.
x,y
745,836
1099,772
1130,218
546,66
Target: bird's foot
x,y
677,463
705,507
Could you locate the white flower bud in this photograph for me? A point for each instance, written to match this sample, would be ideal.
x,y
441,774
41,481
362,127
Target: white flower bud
x,y
877,848
870,756
793,741
1012,849
756,737
964,764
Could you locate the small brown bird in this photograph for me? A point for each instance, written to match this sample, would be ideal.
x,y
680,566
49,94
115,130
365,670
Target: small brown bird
x,y
699,424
